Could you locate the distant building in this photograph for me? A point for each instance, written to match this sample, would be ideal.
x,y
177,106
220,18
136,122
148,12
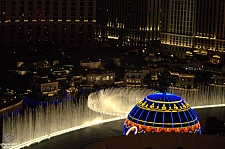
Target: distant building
x,y
135,76
44,86
194,65
186,81
45,22
128,22
219,81
98,77
178,24
68,68
194,27
22,70
90,64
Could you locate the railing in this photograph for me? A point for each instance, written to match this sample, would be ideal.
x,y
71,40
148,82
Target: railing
x,y
9,107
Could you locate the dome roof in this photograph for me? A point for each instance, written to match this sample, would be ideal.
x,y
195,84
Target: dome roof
x,y
162,112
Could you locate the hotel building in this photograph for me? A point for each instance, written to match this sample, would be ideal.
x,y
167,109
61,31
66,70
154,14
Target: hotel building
x,y
43,22
128,22
210,28
184,27
178,25
191,27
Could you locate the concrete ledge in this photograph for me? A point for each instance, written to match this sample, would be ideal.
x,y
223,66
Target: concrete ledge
x,y
162,141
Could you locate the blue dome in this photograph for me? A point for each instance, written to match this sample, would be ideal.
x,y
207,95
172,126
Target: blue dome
x,y
162,112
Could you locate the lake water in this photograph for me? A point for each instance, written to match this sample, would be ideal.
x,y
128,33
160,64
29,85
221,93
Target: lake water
x,y
81,138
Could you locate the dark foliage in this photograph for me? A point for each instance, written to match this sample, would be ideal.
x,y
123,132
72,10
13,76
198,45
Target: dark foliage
x,y
214,126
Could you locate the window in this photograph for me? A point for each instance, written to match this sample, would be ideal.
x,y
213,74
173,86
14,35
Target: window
x,y
55,9
73,3
90,13
81,28
81,8
13,2
89,27
80,41
55,13
89,19
64,13
72,27
64,8
38,2
81,13
72,18
73,8
47,3
21,27
80,35
81,3
55,3
189,80
21,8
21,3
107,77
55,35
90,3
30,3
55,18
72,13
46,8
64,3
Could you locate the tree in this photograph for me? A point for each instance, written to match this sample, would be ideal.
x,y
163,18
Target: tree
x,y
214,126
202,78
19,83
149,82
119,71
165,80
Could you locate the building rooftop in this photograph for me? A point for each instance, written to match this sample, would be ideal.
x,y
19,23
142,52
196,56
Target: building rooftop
x,y
98,71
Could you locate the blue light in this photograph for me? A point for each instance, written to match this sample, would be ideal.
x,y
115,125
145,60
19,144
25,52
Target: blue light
x,y
180,119
147,117
163,110
135,113
172,120
140,116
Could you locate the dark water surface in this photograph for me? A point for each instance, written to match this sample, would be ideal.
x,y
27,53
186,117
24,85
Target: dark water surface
x,y
81,138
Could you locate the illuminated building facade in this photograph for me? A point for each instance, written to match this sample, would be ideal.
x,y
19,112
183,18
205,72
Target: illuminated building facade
x,y
210,29
128,22
162,113
178,25
99,77
41,22
191,27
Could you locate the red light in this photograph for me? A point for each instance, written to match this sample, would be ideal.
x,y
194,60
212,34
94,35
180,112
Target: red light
x,y
4,99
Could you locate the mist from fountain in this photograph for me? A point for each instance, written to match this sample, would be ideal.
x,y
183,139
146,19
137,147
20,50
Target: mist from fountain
x,y
117,101
120,101
35,125
204,96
